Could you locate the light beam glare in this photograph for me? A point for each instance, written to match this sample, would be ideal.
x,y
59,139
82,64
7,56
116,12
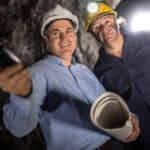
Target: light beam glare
x,y
140,22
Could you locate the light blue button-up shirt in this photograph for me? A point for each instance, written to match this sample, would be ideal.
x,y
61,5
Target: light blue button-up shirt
x,y
60,102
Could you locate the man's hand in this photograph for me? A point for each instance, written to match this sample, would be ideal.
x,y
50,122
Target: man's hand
x,y
15,80
135,132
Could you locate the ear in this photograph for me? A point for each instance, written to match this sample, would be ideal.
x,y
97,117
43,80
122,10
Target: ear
x,y
47,42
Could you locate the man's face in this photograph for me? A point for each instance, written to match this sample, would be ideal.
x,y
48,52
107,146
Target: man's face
x,y
61,39
105,29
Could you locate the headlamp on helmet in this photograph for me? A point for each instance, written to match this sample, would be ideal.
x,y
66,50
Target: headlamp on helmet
x,y
92,7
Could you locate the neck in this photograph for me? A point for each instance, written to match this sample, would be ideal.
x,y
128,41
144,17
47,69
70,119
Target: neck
x,y
66,63
115,47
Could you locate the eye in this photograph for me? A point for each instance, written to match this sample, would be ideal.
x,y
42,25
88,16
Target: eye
x,y
108,20
96,28
70,30
54,34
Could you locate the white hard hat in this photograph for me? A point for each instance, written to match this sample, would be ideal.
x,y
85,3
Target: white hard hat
x,y
58,13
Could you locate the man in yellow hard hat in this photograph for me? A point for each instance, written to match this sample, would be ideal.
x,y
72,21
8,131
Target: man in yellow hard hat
x,y
123,64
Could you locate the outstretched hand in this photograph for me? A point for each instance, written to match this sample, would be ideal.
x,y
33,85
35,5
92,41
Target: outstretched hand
x,y
15,80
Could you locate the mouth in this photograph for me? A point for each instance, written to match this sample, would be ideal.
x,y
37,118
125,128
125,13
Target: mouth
x,y
64,44
108,36
65,47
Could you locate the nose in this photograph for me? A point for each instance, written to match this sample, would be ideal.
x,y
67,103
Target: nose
x,y
105,29
104,26
63,35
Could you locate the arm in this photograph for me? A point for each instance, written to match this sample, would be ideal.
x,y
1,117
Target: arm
x,y
115,78
21,112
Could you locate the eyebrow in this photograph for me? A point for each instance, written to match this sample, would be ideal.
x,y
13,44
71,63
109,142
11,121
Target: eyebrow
x,y
94,23
59,30
55,30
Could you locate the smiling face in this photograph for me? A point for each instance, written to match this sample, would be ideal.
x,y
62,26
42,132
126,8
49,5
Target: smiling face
x,y
105,29
61,39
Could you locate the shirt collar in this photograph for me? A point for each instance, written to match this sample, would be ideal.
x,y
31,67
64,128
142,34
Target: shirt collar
x,y
105,57
58,60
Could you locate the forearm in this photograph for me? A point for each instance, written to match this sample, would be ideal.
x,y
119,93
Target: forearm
x,y
20,114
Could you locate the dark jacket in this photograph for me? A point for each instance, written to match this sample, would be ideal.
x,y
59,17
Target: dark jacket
x,y
130,76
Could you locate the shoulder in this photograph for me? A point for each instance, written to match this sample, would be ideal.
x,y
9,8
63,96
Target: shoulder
x,y
138,36
38,67
83,67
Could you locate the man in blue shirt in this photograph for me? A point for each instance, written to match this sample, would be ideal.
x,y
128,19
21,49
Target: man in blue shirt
x,y
55,92
123,66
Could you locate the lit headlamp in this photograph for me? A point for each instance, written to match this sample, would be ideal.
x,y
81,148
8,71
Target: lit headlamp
x,y
92,7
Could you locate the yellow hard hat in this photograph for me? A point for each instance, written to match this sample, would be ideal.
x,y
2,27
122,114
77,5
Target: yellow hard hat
x,y
100,10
